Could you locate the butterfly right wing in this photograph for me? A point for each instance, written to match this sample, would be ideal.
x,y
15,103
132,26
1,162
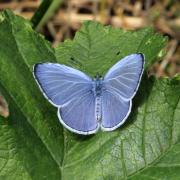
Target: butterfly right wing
x,y
71,91
60,83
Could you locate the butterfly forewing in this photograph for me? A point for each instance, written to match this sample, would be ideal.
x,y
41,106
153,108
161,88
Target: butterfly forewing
x,y
60,83
124,77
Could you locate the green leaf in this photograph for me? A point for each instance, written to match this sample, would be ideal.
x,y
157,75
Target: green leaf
x,y
33,144
166,167
97,46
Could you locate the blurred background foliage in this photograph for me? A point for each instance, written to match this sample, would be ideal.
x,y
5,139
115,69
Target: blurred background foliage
x,y
58,20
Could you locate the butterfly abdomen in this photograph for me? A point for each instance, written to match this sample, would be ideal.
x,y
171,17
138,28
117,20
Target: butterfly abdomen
x,y
98,108
98,92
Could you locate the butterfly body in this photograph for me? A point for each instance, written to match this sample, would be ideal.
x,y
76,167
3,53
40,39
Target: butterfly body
x,y
85,104
98,87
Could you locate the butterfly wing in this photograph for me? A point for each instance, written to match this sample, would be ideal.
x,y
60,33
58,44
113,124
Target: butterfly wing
x,y
60,83
114,111
69,90
79,115
124,76
120,85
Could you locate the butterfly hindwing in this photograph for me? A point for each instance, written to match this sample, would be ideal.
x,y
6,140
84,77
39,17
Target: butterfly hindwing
x,y
79,114
114,111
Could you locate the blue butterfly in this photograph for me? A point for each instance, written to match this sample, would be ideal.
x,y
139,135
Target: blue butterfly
x,y
85,104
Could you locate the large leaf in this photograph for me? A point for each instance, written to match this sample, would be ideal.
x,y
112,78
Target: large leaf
x,y
33,144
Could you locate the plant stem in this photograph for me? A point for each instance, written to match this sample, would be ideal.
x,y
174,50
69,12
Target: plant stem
x,y
44,12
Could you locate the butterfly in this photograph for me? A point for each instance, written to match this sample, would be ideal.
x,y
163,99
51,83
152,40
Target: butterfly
x,y
85,104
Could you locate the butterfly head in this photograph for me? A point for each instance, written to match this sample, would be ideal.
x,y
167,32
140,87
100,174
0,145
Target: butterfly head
x,y
98,76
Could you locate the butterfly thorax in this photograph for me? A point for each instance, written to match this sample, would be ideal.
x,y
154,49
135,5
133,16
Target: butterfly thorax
x,y
98,85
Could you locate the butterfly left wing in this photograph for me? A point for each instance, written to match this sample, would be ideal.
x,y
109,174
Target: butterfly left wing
x,y
120,84
124,77
71,91
78,115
